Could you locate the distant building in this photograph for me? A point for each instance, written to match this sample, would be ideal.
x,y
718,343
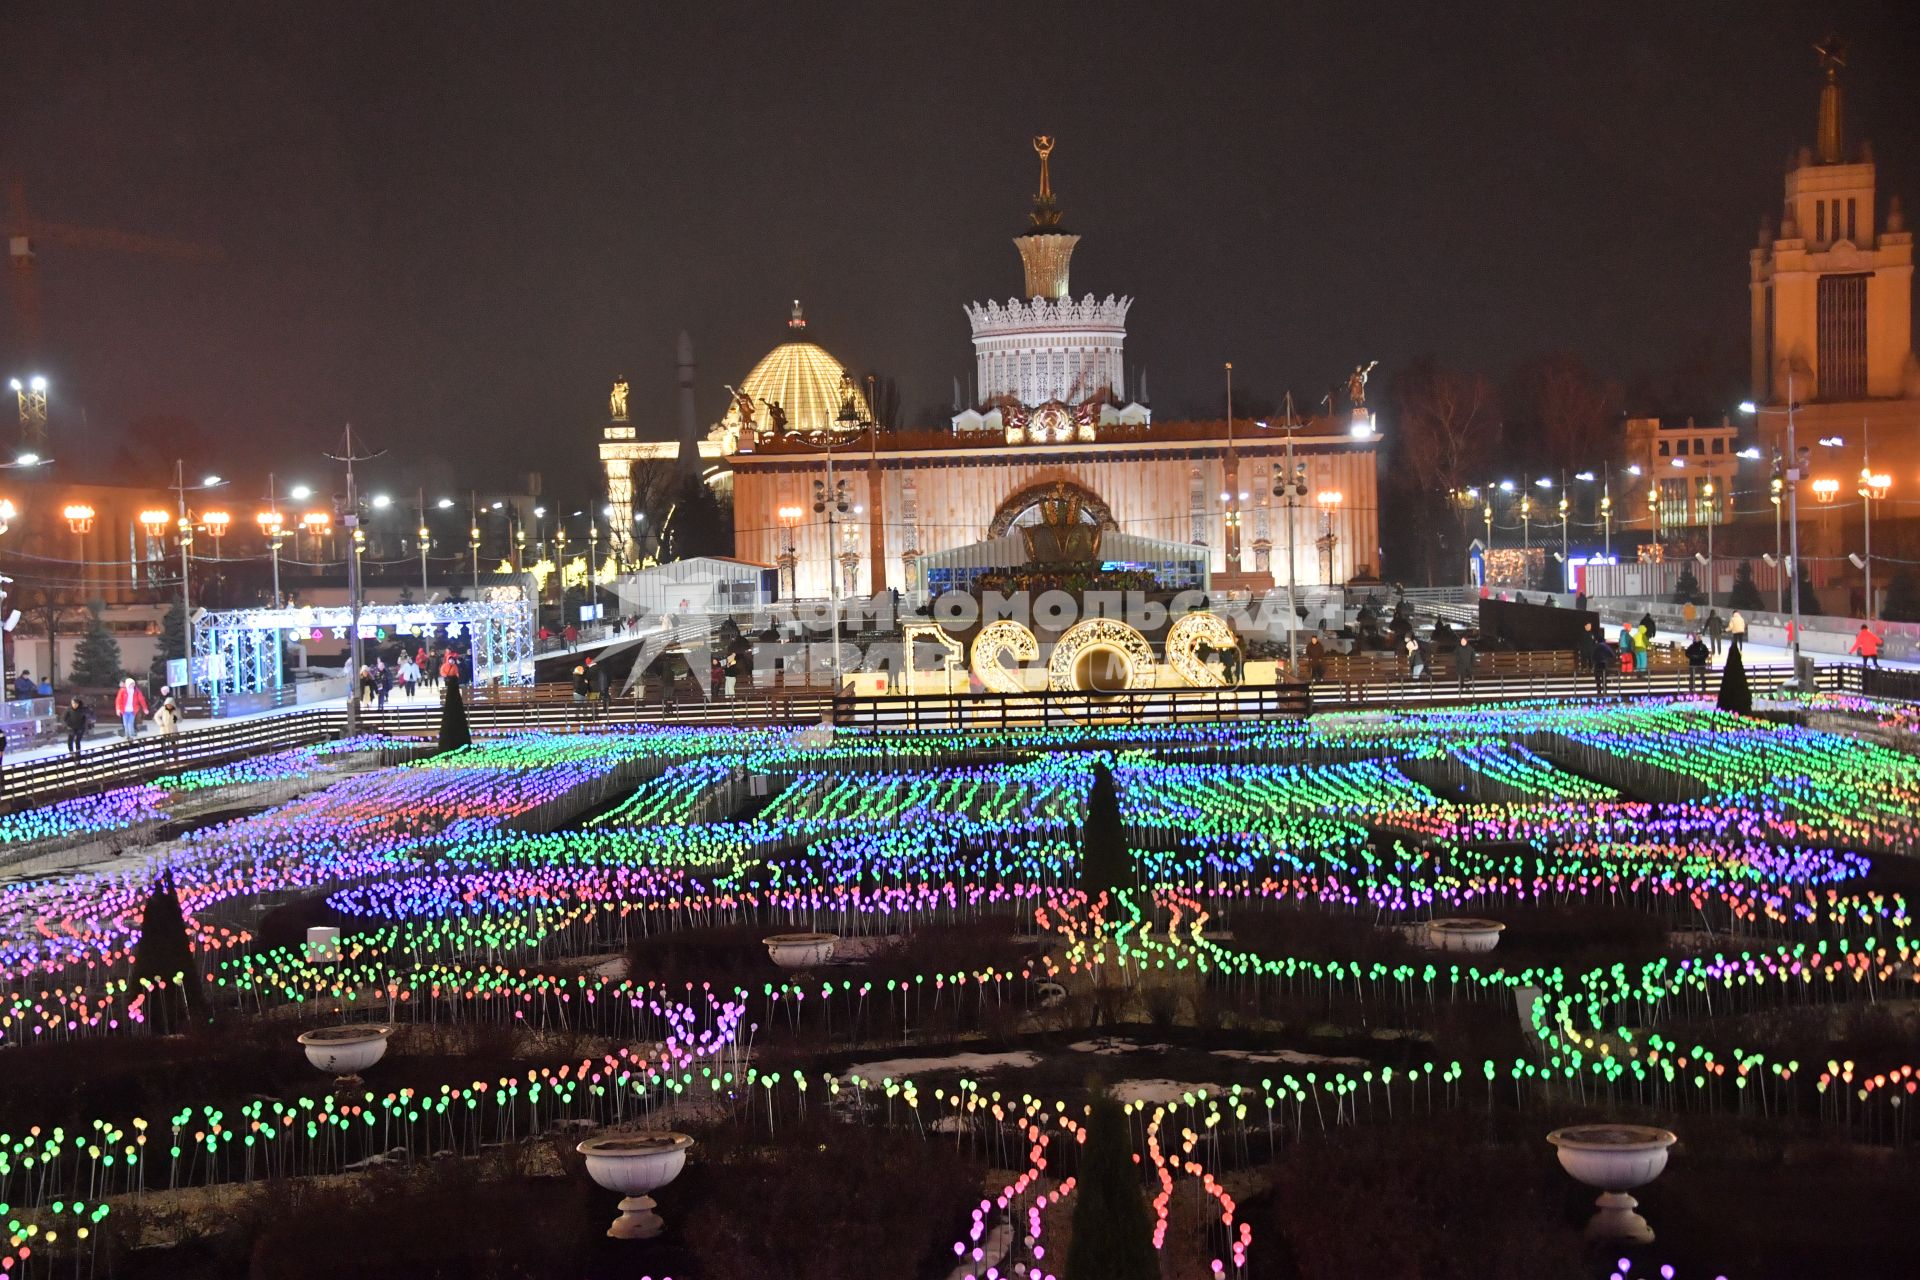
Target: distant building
x,y
1054,418
1694,470
1832,308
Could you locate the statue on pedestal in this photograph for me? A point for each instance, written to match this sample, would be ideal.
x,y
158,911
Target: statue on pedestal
x,y
617,402
1357,384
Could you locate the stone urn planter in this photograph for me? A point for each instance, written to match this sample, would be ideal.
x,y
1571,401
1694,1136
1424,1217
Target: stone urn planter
x,y
801,950
1466,935
635,1165
346,1051
1616,1158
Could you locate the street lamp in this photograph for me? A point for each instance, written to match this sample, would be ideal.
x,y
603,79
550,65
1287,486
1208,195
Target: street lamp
x,y
79,519
1526,528
473,545
181,489
1795,472
1565,506
1706,492
1653,509
1329,500
317,524
272,528
1874,486
789,555
1290,485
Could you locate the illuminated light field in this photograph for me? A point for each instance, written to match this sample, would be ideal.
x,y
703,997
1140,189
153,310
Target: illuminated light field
x,y
1740,880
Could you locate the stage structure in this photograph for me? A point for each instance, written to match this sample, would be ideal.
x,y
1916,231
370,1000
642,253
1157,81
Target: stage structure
x,y
236,652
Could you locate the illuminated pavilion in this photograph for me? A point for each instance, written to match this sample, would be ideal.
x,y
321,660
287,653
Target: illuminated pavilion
x,y
1055,415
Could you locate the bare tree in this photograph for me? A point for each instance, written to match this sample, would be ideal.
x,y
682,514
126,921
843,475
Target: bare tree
x,y
1449,425
1574,414
50,606
656,483
1448,434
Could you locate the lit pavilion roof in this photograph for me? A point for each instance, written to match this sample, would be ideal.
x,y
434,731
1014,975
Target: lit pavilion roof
x,y
803,379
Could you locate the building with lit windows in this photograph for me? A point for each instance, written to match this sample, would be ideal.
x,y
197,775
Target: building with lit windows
x,y
1831,302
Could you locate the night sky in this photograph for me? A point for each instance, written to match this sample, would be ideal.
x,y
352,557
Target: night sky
x,y
455,224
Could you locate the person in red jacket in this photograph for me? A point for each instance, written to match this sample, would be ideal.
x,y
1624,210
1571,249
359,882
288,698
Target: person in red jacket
x,y
130,704
1867,645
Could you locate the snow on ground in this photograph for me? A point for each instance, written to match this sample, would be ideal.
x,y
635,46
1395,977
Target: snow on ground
x,y
1291,1057
1159,1091
1108,1045
894,1068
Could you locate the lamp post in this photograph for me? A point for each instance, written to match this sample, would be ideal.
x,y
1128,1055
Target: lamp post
x,y
1329,500
216,523
1291,486
593,563
273,529
317,524
80,520
1706,492
830,500
185,524
8,514
789,554
1653,509
156,521
1776,486
473,538
1794,473
1564,506
1874,486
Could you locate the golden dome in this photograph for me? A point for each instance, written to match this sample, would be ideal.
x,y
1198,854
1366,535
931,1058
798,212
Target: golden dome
x,y
804,380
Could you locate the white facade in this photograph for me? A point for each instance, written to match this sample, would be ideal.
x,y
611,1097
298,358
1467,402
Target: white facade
x,y
1039,351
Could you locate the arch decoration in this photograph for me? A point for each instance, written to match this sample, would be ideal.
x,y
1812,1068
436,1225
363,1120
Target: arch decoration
x,y
1026,499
